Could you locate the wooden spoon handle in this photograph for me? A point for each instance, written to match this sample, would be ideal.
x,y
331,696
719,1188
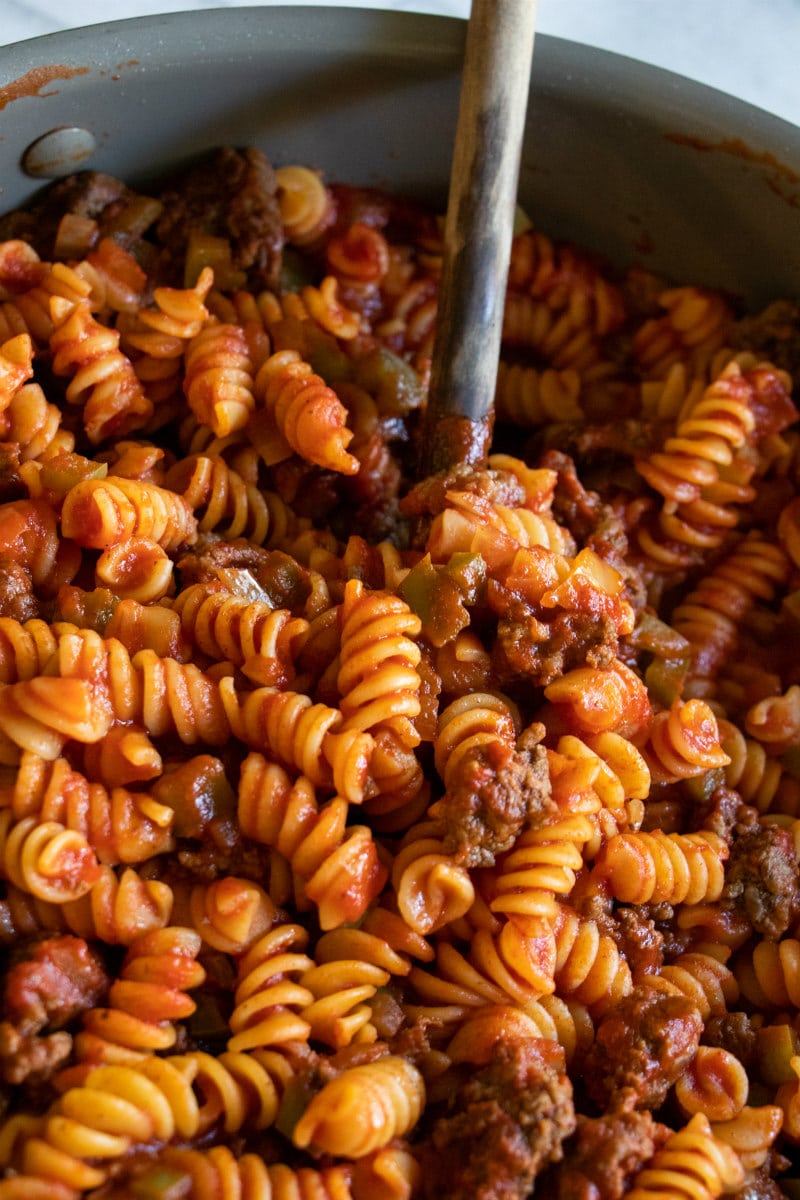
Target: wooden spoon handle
x,y
478,233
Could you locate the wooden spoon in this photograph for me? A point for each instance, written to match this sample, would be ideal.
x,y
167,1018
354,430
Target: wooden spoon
x,y
478,233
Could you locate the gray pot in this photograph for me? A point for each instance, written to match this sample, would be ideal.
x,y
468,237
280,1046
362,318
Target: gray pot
x,y
634,161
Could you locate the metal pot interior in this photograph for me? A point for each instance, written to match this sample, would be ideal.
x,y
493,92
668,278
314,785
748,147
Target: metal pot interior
x,y
633,161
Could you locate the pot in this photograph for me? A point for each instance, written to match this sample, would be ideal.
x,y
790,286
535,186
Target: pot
x,y
636,162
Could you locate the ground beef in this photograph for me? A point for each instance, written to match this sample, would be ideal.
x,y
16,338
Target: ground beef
x,y
87,194
16,592
429,497
759,1186
606,1152
209,555
52,982
761,879
283,581
31,1058
544,650
734,1032
643,1044
773,335
591,522
46,988
371,495
231,195
639,942
497,789
665,810
722,813
508,1122
627,438
11,486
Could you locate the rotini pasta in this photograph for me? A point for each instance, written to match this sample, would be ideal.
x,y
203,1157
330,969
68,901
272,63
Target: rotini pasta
x,y
365,837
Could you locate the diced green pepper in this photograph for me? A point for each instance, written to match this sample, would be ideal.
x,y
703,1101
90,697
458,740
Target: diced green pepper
x,y
437,599
392,382
702,787
161,1183
665,677
776,1045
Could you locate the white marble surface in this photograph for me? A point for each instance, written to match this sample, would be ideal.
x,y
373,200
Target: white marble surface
x,y
746,47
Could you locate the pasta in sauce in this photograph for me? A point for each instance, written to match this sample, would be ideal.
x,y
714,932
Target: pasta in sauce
x,y
370,838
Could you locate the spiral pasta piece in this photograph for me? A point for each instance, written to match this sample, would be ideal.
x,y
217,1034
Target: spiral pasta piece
x,y
596,700
236,1090
308,414
692,1163
337,866
715,1083
363,1109
29,537
160,334
473,524
46,859
34,425
756,777
683,742
30,310
102,378
692,330
209,1173
119,908
302,736
16,366
378,677
229,914
233,628
529,397
102,512
769,975
541,866
360,254
340,1013
227,503
325,307
662,867
269,999
705,980
709,617
25,648
218,379
145,1001
120,826
161,695
115,910
604,768
702,471
554,271
466,724
565,1022
432,889
410,326
589,968
508,964
564,337
42,714
138,570
775,721
96,1123
305,202
751,1133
